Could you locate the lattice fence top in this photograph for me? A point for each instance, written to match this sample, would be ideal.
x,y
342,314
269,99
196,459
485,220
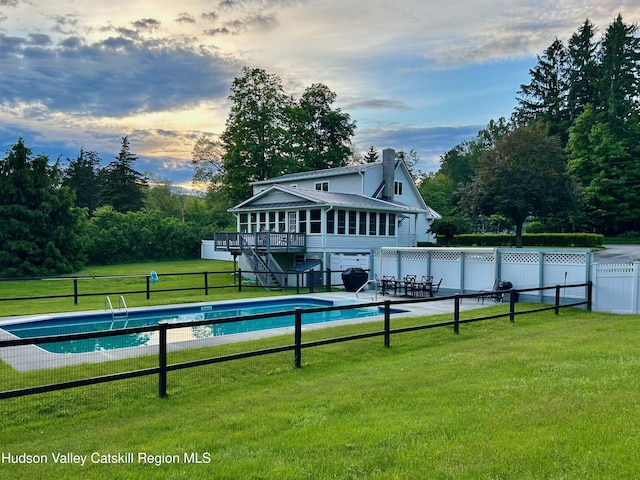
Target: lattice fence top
x,y
385,254
480,257
565,258
415,255
517,257
446,256
615,268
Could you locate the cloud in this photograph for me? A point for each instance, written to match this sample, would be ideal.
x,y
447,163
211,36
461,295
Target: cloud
x,y
116,76
377,104
185,17
256,21
146,24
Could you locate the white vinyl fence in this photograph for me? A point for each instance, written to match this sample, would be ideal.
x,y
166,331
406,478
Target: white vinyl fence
x,y
469,270
616,287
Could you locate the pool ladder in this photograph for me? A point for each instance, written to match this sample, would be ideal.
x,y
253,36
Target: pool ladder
x,y
121,314
375,289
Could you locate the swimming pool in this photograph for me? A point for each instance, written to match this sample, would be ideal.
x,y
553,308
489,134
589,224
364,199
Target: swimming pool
x,y
100,321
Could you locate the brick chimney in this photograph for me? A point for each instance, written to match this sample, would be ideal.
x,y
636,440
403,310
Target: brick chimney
x,y
388,174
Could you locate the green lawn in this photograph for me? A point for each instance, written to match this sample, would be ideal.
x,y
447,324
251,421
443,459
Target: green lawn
x,y
552,397
30,288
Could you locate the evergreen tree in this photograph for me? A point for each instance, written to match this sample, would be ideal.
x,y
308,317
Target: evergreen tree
x,y
122,186
40,229
619,76
584,69
371,156
546,97
81,176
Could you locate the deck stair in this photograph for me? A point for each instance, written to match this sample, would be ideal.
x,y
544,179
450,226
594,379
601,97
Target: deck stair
x,y
267,270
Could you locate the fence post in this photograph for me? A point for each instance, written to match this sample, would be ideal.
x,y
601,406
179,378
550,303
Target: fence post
x,y
456,314
148,288
75,291
298,337
589,295
387,323
512,306
206,283
328,282
239,279
310,281
556,310
162,359
297,282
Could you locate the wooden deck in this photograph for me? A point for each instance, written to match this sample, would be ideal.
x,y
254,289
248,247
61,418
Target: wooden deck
x,y
264,241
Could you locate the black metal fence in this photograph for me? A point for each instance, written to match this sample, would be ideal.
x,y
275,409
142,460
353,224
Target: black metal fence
x,y
231,279
298,345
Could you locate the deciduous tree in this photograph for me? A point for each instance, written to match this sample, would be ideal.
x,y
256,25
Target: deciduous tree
x,y
524,174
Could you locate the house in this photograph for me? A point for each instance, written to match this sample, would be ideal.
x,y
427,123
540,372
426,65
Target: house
x,y
331,218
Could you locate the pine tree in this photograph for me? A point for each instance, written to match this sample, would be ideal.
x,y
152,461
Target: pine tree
x,y
371,156
40,229
584,69
122,186
546,97
619,78
81,176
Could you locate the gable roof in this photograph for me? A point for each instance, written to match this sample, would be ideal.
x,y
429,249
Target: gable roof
x,y
308,197
327,172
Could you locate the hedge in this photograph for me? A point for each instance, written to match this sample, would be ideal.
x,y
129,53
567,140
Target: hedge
x,y
586,240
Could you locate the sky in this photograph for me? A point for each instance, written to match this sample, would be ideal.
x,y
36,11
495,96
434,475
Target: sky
x,y
413,74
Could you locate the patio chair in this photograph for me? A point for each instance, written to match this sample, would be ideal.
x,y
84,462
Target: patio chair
x,y
436,288
495,293
390,282
425,286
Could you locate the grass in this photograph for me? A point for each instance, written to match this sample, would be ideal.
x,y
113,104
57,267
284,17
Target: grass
x,y
219,284
546,397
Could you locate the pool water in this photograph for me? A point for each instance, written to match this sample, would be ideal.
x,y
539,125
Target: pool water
x,y
79,323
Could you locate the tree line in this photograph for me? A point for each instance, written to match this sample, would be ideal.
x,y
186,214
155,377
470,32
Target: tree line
x,y
54,219
568,158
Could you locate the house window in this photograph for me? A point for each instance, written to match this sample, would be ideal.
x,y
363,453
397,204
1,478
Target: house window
x,y
263,222
382,224
331,221
303,221
373,220
244,222
315,217
322,186
282,222
272,221
253,223
362,226
352,222
341,222
397,188
392,224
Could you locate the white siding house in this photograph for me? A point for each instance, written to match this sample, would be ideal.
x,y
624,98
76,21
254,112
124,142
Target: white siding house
x,y
345,211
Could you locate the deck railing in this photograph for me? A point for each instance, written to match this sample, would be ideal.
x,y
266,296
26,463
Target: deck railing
x,y
268,241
